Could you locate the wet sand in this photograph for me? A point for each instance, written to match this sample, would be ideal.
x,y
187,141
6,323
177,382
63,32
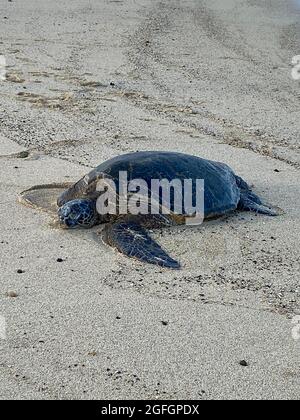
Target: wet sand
x,y
86,83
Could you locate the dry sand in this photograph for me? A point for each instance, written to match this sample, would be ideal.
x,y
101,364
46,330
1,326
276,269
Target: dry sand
x,y
88,80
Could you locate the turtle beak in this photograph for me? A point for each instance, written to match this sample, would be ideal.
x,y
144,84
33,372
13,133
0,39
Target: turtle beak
x,y
63,224
64,217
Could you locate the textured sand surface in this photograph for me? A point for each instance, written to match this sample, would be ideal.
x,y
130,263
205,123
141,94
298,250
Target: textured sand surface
x,y
90,80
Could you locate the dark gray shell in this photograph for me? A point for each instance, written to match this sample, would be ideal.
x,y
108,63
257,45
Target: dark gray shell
x,y
222,193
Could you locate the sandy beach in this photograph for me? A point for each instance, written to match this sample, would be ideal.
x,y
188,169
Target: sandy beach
x,y
89,80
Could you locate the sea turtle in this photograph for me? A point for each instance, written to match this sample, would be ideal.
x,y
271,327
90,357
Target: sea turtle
x,y
76,206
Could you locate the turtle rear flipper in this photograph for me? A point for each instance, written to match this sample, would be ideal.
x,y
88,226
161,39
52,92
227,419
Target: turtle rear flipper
x,y
250,202
43,197
131,239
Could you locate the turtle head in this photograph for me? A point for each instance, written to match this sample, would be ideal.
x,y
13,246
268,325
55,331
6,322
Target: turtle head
x,y
78,214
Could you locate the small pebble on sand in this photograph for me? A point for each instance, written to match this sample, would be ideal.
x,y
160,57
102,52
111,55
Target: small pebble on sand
x,y
12,294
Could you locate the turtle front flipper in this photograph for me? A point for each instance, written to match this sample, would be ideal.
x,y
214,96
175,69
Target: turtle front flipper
x,y
133,240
